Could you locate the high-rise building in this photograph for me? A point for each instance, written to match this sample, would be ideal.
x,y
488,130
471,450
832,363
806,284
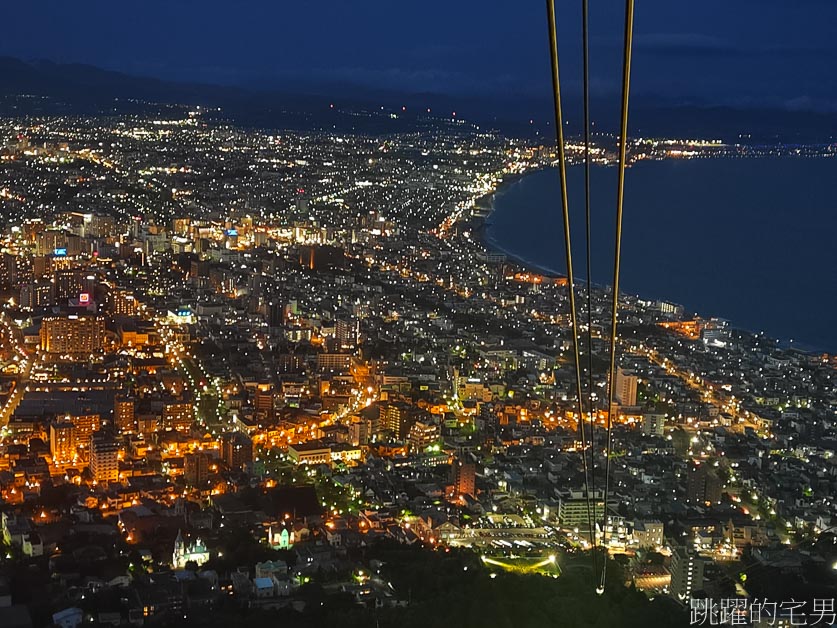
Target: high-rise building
x,y
263,400
85,425
180,226
463,477
320,257
290,363
626,383
178,415
73,335
275,313
359,430
92,225
346,333
148,423
703,483
50,241
236,450
686,573
398,418
68,283
648,533
62,442
123,303
36,294
422,435
14,270
337,362
104,457
196,468
573,509
124,414
7,270
653,424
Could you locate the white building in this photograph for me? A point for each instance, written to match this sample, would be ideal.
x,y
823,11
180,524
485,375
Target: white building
x,y
183,552
686,573
653,424
626,383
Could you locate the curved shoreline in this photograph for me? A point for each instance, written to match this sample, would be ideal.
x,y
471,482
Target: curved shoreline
x,y
481,223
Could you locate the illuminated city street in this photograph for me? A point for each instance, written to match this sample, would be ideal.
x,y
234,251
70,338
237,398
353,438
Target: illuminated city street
x,y
366,316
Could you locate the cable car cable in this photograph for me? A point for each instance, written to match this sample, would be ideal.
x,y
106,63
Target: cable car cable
x,y
620,197
565,211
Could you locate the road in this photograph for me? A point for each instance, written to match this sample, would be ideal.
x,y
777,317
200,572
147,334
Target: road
x,y
709,393
11,335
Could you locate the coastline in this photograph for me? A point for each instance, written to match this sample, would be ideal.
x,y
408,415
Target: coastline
x,y
480,223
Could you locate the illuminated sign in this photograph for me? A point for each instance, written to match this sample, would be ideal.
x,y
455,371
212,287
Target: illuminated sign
x,y
84,298
182,315
232,232
62,252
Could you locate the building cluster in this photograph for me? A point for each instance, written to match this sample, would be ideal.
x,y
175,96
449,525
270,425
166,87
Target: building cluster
x,y
230,359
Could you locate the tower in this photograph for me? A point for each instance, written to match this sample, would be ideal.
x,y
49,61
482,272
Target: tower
x,y
703,483
179,550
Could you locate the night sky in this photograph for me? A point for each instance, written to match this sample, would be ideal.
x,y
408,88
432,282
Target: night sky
x,y
733,52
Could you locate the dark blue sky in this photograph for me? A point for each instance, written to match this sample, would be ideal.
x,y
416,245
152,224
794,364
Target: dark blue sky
x,y
740,52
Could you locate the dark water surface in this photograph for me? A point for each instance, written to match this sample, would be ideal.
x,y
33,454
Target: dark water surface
x,y
751,240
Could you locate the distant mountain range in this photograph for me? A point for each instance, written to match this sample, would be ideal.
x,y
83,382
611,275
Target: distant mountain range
x,y
76,88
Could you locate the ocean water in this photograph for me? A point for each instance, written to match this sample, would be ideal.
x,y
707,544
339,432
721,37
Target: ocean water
x,y
751,240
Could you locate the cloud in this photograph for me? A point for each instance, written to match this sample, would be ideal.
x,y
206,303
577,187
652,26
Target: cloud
x,y
807,103
700,44
455,82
